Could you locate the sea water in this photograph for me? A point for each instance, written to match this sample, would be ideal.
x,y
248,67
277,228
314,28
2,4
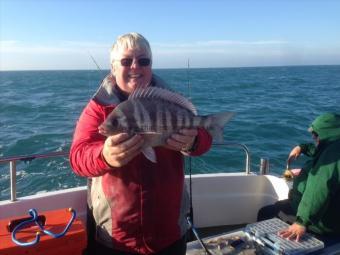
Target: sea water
x,y
274,107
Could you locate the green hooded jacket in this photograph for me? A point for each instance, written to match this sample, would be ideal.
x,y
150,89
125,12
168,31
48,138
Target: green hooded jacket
x,y
316,191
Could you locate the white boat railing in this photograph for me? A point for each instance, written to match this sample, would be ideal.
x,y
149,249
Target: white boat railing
x,y
13,161
245,149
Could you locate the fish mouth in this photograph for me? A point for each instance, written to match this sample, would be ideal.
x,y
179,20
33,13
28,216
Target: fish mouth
x,y
103,131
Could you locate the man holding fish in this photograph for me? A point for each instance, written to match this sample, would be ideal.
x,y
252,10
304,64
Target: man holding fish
x,y
129,141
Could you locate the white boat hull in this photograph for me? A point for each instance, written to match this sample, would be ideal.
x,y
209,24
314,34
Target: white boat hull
x,y
218,199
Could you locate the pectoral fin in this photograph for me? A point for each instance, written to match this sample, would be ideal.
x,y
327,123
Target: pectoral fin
x,y
150,154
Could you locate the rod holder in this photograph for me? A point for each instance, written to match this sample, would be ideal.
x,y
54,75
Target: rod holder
x,y
264,166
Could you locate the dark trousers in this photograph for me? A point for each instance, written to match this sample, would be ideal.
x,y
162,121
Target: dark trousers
x,y
177,248
93,248
281,209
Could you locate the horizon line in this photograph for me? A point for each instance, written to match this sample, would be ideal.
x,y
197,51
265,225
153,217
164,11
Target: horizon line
x,y
170,68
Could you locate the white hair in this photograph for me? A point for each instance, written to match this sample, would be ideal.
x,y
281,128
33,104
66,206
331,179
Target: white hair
x,y
130,41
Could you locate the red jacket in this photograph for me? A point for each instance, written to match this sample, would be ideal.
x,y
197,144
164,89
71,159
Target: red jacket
x,y
140,207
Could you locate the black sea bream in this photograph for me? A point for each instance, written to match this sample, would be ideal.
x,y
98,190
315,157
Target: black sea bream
x,y
156,113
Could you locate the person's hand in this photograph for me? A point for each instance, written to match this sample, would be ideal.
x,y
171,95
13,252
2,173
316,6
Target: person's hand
x,y
119,149
295,231
182,141
294,154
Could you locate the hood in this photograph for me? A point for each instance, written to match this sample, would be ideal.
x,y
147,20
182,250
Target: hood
x,y
109,94
327,126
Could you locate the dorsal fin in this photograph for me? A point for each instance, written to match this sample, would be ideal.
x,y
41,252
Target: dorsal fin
x,y
164,94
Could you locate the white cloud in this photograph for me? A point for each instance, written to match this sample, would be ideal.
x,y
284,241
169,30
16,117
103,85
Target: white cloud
x,y
220,43
60,47
16,55
220,47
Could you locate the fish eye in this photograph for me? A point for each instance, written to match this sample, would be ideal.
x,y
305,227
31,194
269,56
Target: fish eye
x,y
114,122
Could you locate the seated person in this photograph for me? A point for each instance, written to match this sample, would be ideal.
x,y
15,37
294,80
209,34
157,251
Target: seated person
x,y
314,201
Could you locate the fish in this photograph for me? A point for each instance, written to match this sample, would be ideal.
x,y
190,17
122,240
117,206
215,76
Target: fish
x,y
156,113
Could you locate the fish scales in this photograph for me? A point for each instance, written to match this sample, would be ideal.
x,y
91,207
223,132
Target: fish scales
x,y
143,120
160,119
122,118
136,115
144,115
159,116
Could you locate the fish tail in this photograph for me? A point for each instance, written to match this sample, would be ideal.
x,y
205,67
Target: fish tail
x,y
215,123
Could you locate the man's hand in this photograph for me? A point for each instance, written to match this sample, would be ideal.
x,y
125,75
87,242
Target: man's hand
x,y
295,231
182,141
294,154
119,149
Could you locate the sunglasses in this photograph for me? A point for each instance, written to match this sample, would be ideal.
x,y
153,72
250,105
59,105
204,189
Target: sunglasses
x,y
127,62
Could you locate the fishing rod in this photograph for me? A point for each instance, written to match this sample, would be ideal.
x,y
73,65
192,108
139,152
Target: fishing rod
x,y
191,212
198,237
190,217
94,61
188,78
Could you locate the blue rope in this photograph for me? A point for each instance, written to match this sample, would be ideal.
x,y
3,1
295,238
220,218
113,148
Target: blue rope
x,y
34,219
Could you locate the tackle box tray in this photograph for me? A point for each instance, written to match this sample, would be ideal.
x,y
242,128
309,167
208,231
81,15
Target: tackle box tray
x,y
265,234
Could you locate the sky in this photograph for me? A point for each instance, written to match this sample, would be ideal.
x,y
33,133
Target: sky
x,y
64,34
